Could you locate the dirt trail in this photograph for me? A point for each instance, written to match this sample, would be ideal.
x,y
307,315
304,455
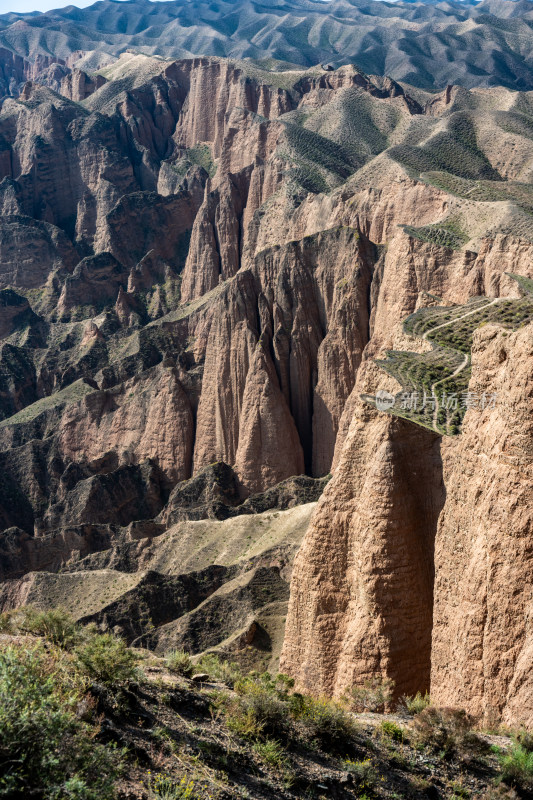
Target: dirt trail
x,y
465,361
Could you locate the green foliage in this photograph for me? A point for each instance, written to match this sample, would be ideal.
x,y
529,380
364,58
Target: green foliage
x,y
444,372
517,765
393,731
271,751
199,155
56,626
165,788
416,704
454,150
446,730
458,790
260,700
525,284
46,750
327,721
443,235
227,672
264,707
242,720
6,622
107,659
179,661
375,694
525,739
364,772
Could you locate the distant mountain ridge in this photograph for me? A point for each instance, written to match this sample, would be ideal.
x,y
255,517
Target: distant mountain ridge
x,y
429,45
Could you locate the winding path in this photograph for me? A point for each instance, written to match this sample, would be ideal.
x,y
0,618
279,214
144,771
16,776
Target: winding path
x,y
466,359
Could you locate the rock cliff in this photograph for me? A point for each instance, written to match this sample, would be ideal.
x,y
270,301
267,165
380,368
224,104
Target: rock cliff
x,y
200,263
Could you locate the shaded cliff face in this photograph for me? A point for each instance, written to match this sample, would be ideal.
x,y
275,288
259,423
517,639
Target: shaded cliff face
x,y
199,262
365,608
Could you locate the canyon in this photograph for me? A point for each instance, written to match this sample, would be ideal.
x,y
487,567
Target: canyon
x,y
203,263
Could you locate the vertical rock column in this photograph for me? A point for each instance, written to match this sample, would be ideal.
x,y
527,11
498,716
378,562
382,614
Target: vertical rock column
x,y
361,591
483,617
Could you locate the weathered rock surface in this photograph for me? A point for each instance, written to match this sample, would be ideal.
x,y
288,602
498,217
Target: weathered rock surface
x,y
361,593
199,261
414,536
482,634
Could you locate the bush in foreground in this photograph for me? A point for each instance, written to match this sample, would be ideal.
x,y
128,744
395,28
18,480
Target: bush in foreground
x,y
517,766
415,704
263,706
226,672
375,694
46,750
447,730
179,662
107,660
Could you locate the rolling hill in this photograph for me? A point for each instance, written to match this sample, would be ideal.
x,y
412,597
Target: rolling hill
x,y
428,45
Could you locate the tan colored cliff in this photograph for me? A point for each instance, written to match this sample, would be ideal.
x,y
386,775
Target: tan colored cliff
x,y
361,592
147,417
482,644
414,536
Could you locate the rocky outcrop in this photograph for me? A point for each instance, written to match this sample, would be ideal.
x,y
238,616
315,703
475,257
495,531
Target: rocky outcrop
x,y
78,86
265,421
365,608
307,303
193,294
428,568
482,634
146,418
30,251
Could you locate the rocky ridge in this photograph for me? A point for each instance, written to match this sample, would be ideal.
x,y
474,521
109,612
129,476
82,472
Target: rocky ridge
x,y
187,283
425,43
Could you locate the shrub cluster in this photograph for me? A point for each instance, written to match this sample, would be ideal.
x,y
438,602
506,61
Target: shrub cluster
x,y
265,708
517,763
180,662
46,750
375,694
448,731
415,704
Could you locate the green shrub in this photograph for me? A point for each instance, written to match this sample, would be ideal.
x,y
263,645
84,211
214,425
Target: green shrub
x,y
165,788
179,661
393,731
364,772
46,750
242,720
458,790
328,721
264,705
107,659
271,751
525,740
416,704
227,672
517,766
6,622
374,695
56,625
